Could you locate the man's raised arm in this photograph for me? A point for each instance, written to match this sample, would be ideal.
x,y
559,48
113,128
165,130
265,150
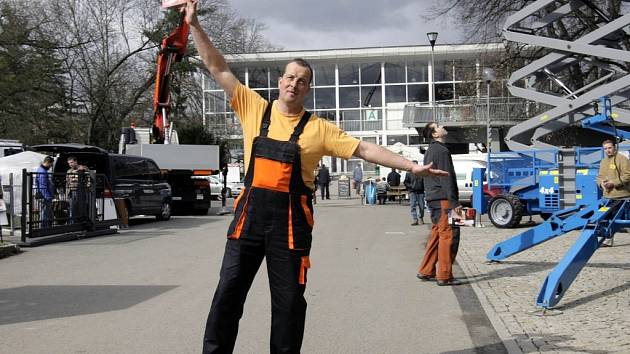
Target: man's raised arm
x,y
211,56
379,155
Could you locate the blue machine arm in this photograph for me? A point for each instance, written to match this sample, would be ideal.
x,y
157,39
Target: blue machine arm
x,y
559,223
559,280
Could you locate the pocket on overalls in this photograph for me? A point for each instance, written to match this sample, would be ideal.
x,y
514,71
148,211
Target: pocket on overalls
x,y
238,198
308,213
240,213
300,223
304,266
271,174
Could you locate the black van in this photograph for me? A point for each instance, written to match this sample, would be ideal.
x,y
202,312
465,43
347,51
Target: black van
x,y
135,179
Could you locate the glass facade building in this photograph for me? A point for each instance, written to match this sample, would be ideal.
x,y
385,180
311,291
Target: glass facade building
x,y
363,91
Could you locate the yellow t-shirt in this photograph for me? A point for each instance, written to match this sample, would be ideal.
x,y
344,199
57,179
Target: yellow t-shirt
x,y
318,139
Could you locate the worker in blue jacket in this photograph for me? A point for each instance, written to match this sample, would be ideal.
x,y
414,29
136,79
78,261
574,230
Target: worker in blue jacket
x,y
45,191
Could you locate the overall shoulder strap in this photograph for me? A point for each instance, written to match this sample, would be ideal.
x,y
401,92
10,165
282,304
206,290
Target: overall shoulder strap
x,y
266,121
299,128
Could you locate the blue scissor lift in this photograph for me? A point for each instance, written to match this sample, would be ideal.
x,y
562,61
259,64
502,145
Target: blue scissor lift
x,y
560,184
537,184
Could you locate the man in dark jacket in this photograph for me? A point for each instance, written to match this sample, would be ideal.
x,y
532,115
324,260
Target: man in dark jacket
x,y
323,177
393,180
415,189
441,194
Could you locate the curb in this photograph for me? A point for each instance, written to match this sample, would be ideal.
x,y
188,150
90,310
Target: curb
x,y
499,326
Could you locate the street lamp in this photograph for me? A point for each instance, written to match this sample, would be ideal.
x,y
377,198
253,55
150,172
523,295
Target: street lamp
x,y
432,38
488,76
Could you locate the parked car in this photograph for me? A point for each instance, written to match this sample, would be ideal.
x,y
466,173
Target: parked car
x,y
216,185
135,179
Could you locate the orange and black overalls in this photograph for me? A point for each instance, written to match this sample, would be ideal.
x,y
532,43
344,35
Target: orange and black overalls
x,y
274,219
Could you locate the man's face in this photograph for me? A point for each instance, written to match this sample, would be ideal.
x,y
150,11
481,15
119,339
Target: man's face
x,y
72,164
294,84
609,149
439,131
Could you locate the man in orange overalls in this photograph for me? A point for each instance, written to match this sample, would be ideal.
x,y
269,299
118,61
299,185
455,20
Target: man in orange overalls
x,y
274,212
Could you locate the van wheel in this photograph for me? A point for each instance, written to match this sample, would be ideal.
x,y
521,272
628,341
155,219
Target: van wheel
x,y
505,211
165,212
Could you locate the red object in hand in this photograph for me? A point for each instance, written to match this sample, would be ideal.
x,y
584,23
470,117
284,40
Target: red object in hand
x,y
171,3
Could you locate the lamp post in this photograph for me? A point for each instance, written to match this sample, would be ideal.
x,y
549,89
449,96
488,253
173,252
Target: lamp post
x,y
488,76
432,36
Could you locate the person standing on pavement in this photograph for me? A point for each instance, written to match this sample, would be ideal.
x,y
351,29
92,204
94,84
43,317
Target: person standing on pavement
x,y
393,180
323,177
613,178
273,216
357,178
442,196
76,188
415,189
45,192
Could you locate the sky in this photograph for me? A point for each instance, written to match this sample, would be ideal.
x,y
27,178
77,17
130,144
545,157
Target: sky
x,y
331,24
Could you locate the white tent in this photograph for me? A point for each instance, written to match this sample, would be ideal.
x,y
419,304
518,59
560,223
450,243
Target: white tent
x,y
28,160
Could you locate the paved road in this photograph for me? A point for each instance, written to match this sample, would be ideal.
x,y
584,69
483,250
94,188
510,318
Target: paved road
x,y
148,290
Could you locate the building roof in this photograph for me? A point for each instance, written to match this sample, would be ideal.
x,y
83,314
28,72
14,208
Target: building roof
x,y
352,54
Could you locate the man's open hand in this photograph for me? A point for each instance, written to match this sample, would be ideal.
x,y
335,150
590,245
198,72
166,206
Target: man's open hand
x,y
426,170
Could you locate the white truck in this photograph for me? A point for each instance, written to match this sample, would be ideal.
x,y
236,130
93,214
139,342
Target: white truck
x,y
179,163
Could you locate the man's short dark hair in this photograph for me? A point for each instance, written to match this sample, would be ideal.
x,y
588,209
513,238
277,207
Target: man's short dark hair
x,y
49,159
73,158
303,63
428,130
608,141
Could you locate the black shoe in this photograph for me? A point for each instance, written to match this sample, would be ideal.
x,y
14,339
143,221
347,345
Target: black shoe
x,y
414,223
425,277
449,282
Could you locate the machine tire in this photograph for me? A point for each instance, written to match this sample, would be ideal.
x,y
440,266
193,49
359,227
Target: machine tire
x,y
505,211
165,211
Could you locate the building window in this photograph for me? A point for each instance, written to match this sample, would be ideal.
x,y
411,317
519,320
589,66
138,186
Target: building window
x,y
240,74
258,78
215,101
417,71
418,93
444,70
263,93
395,73
309,102
273,94
324,97
393,139
414,140
349,97
395,93
328,115
275,73
371,73
443,92
371,96
324,75
350,120
348,74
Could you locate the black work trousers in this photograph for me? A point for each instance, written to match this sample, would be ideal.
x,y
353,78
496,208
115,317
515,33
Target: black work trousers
x,y
241,261
325,190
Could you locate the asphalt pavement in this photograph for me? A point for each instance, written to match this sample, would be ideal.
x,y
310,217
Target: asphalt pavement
x,y
148,290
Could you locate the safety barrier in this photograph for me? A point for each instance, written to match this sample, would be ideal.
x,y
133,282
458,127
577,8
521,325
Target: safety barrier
x,y
80,203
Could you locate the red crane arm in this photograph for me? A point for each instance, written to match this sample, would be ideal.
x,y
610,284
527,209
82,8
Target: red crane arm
x,y
172,50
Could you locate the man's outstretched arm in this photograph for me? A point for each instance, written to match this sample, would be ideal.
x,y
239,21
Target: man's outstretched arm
x,y
379,155
211,56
